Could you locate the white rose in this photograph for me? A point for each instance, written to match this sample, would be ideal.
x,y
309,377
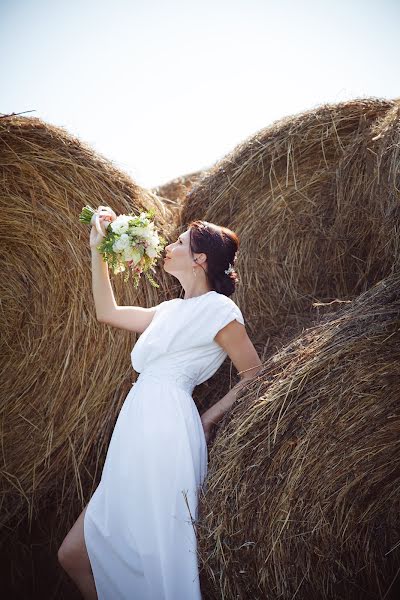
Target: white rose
x,y
122,243
148,233
132,254
120,224
151,251
136,230
154,240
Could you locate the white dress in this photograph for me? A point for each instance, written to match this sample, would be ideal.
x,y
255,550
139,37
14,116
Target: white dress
x,y
139,525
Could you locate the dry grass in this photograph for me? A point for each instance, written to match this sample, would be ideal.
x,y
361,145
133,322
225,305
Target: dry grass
x,y
175,191
315,200
302,495
61,392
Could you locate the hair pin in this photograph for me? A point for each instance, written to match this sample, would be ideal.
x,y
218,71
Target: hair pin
x,y
230,270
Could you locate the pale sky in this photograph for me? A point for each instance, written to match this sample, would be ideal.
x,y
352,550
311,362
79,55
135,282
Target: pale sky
x,y
166,87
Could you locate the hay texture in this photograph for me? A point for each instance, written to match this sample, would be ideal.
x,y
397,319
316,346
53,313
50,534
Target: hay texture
x,y
302,495
315,200
64,374
176,190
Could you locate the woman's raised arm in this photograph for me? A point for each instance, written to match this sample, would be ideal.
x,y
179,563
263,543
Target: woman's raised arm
x,y
101,285
130,318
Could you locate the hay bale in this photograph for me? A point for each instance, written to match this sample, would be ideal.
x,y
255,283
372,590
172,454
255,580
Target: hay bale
x,y
302,494
175,190
61,392
314,198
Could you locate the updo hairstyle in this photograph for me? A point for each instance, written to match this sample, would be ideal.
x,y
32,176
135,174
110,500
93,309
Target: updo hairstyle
x,y
220,244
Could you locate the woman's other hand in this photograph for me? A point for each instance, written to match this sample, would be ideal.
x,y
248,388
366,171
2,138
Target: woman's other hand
x,y
207,427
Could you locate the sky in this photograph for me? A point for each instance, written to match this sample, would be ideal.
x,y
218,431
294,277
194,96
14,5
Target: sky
x,y
163,88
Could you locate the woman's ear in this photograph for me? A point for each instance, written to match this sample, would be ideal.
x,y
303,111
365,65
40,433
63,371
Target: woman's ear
x,y
202,258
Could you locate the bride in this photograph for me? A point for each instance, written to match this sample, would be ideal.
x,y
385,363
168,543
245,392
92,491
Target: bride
x,y
136,539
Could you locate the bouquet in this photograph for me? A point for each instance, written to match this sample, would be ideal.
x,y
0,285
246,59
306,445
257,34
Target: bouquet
x,y
130,242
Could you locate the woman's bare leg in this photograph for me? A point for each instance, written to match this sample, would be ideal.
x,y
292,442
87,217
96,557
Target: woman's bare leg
x,y
74,559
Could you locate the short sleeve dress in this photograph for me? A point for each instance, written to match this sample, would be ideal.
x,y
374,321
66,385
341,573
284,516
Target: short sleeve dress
x,y
139,526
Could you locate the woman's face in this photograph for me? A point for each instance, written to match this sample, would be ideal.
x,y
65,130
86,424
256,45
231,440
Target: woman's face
x,y
177,255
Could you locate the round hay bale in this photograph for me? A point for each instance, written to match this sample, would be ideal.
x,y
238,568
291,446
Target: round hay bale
x,y
64,375
302,494
175,190
314,198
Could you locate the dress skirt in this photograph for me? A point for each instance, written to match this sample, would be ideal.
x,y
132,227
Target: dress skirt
x,y
140,524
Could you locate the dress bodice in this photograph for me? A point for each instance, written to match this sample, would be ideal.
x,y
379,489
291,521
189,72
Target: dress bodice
x,y
179,342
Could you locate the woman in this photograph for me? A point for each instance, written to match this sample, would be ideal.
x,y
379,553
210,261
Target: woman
x,y
136,538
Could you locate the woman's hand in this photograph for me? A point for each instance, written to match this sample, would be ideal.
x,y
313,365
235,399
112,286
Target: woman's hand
x,y
95,237
208,427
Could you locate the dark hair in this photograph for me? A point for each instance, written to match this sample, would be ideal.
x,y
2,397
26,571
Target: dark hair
x,y
220,244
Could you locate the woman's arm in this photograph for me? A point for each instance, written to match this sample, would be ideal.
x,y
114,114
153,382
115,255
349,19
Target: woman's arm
x,y
234,340
101,285
130,318
213,415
